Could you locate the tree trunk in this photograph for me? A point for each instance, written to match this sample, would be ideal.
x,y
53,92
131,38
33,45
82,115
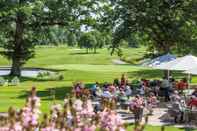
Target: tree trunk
x,y
18,41
16,67
94,50
87,50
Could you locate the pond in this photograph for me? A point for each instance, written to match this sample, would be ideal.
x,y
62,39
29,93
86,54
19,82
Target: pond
x,y
26,72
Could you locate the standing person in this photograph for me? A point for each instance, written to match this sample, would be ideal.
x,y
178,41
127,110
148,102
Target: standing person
x,y
165,85
116,82
137,107
94,88
124,80
151,102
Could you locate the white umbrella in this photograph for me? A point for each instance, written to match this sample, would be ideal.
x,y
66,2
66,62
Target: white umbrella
x,y
182,64
192,71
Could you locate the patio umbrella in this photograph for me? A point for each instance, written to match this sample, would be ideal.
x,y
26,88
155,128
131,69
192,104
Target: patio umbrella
x,y
185,63
192,71
159,60
181,64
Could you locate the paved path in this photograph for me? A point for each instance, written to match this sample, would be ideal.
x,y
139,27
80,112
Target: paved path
x,y
159,118
119,62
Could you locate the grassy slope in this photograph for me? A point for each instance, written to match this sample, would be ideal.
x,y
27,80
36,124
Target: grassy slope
x,y
75,65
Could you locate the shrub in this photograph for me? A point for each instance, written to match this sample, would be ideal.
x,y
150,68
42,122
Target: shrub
x,y
15,81
2,81
47,75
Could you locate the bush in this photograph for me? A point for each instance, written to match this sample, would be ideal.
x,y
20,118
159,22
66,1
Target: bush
x,y
15,81
2,81
61,77
47,75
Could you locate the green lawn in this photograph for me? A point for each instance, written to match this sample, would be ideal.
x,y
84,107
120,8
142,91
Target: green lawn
x,y
75,65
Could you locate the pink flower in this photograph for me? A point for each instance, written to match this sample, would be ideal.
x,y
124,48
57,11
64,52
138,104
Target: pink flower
x,y
77,129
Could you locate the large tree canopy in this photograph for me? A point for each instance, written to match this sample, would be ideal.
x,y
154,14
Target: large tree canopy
x,y
165,25
22,21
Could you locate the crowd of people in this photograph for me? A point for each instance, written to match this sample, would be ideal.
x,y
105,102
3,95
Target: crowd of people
x,y
88,109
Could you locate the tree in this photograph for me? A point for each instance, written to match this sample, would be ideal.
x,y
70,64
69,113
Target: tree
x,y
87,41
163,24
22,20
72,39
100,39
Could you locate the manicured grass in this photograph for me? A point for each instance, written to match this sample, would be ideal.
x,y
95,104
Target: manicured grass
x,y
63,55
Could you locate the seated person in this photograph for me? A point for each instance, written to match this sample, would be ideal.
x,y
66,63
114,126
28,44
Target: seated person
x,y
178,108
112,88
195,92
77,89
141,90
182,85
98,92
128,90
106,94
94,88
122,97
192,102
175,96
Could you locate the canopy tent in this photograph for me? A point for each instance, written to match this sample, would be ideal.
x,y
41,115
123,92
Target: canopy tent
x,y
159,60
185,63
192,71
182,64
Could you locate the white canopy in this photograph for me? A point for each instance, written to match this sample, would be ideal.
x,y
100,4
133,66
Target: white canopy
x,y
183,63
192,71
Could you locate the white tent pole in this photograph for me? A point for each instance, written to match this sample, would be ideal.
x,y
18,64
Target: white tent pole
x,y
188,77
168,74
189,80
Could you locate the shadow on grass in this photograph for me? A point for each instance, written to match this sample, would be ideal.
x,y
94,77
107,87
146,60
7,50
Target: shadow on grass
x,y
151,74
34,79
58,92
145,73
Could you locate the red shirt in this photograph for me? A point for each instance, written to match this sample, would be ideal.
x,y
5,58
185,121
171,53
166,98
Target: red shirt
x,y
193,102
182,85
